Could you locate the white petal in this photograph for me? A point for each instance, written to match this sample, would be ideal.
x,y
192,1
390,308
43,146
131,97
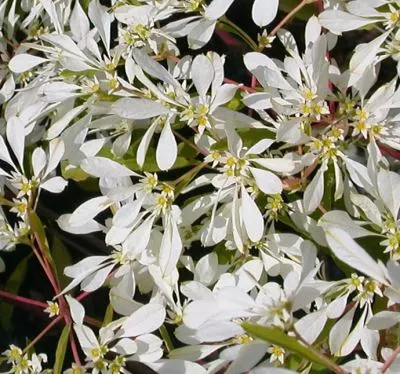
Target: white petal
x,y
79,22
84,266
352,254
87,228
201,34
95,280
55,184
170,249
89,209
311,325
56,152
389,190
144,144
4,154
57,127
176,367
146,319
77,310
338,21
167,149
39,160
384,320
266,181
24,62
202,73
16,138
252,217
135,108
314,192
264,11
281,165
103,167
217,8
340,331
102,19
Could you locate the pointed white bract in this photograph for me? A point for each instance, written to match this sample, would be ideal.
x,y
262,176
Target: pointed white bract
x,y
208,204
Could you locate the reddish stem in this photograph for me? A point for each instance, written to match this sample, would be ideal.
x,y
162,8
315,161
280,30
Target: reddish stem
x,y
387,151
240,86
74,348
22,300
320,5
43,332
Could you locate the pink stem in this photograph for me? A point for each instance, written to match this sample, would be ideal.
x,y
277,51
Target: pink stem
x,y
74,348
22,300
240,86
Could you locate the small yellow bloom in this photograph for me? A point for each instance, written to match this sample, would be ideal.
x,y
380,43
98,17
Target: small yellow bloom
x,y
53,309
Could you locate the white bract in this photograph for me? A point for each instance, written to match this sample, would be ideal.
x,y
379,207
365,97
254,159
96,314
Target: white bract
x,y
209,205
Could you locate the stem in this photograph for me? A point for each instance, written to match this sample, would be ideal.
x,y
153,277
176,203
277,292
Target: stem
x,y
44,266
288,16
320,5
390,359
240,32
240,85
22,300
43,333
387,151
189,173
190,144
74,348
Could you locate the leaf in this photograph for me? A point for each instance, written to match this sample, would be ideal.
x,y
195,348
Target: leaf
x,y
108,316
62,259
13,285
277,336
61,349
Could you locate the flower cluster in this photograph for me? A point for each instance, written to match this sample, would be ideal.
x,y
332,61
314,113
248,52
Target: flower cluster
x,y
248,229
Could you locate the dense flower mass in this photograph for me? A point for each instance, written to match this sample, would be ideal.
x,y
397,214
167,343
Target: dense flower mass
x,y
248,229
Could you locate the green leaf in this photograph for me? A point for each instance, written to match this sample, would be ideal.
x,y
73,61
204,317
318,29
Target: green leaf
x,y
62,258
13,285
225,256
108,316
279,337
74,173
40,236
329,187
61,348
